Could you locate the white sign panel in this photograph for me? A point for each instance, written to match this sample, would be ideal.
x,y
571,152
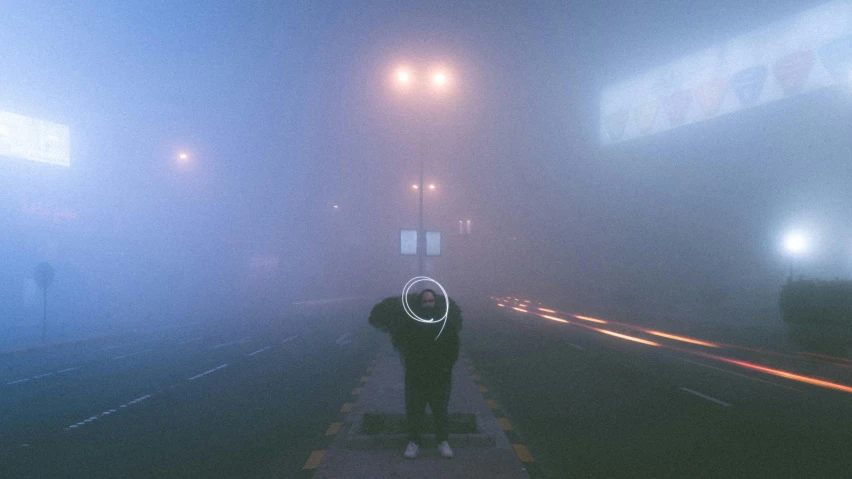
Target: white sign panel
x,y
36,140
408,241
433,243
805,52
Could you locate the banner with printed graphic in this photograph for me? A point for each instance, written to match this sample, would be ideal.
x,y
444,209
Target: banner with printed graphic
x,y
808,51
33,139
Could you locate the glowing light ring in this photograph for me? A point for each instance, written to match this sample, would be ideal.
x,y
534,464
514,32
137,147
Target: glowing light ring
x,y
414,316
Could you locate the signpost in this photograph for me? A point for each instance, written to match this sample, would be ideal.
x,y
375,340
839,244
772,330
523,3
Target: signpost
x,y
43,277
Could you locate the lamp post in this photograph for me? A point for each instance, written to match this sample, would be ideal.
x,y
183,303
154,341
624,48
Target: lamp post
x,y
405,80
795,243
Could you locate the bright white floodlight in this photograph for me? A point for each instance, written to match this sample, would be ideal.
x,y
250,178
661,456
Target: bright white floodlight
x,y
795,243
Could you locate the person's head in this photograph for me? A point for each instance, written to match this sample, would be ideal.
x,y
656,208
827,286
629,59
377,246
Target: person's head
x,y
427,299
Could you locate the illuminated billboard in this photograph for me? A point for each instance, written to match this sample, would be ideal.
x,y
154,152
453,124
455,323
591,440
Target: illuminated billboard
x,y
805,52
36,140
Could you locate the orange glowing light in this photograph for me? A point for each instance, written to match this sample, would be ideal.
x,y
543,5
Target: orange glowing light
x,y
554,318
519,309
586,318
624,336
682,338
546,310
501,305
788,375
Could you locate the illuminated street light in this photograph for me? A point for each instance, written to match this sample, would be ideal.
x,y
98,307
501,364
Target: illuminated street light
x,y
431,187
439,79
403,77
414,186
795,243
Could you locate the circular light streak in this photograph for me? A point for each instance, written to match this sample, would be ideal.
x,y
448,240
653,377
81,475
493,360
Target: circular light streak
x,y
410,312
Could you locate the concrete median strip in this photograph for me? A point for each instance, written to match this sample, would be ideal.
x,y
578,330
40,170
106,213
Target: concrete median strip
x,y
369,440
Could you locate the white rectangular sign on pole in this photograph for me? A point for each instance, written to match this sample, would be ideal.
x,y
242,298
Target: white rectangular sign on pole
x,y
408,242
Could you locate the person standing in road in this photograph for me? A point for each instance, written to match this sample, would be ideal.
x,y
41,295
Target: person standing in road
x,y
428,359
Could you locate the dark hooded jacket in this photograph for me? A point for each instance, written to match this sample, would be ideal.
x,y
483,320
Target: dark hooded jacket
x,y
416,341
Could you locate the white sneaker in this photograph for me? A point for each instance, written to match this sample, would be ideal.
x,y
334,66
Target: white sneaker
x,y
411,450
446,450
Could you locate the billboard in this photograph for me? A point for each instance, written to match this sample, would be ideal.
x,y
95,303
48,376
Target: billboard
x,y
35,140
808,51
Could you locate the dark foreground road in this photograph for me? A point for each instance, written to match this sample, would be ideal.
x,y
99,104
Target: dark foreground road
x,y
251,399
595,405
244,400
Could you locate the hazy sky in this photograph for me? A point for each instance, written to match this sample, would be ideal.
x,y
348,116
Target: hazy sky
x,y
285,110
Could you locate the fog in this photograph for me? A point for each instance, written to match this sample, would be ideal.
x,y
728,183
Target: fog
x,y
301,153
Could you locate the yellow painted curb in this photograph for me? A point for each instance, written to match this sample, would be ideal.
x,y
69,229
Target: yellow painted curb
x,y
314,460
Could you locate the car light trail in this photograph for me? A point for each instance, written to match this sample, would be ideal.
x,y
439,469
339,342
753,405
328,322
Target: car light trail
x,y
624,336
682,338
546,310
594,320
785,374
519,309
554,318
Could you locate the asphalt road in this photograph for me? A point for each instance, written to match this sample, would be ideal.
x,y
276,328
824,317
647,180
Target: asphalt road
x,y
246,399
253,398
589,404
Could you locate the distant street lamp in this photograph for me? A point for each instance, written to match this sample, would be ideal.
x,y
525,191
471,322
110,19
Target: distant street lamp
x,y
795,243
405,79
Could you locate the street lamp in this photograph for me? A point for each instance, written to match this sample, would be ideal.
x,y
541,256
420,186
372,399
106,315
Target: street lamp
x,y
405,78
795,243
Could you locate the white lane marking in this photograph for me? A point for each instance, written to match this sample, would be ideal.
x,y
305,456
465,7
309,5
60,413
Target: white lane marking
x,y
706,397
291,337
323,301
742,375
132,354
38,377
207,372
577,347
259,351
341,340
189,341
231,343
106,413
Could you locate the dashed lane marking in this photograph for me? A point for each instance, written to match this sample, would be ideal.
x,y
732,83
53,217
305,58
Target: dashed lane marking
x,y
504,423
290,338
231,343
580,348
259,351
207,372
722,403
18,381
132,354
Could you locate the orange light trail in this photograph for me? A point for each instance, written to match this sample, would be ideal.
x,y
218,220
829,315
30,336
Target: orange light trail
x,y
586,318
682,338
501,305
546,310
554,318
785,374
519,309
624,336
